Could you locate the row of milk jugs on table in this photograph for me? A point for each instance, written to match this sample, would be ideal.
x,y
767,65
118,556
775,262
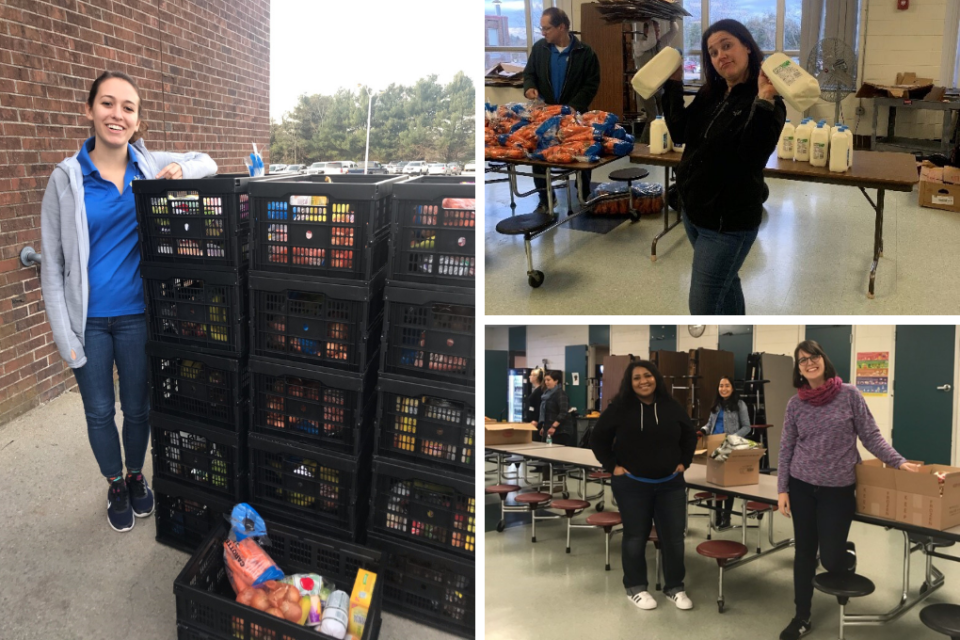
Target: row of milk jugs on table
x,y
817,144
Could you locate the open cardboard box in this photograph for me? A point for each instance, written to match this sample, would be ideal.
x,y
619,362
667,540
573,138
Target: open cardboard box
x,y
924,502
877,494
508,433
706,446
939,187
907,86
740,468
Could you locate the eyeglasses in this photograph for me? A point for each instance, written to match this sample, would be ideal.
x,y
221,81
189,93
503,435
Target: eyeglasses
x,y
804,361
546,29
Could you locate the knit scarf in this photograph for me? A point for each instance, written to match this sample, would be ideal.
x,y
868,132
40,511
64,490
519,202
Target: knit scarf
x,y
823,394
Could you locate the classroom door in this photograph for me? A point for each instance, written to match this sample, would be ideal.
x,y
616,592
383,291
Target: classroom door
x,y
923,394
835,340
497,384
575,383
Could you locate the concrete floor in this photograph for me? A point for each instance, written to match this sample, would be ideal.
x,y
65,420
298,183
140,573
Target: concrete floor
x,y
571,596
812,257
84,580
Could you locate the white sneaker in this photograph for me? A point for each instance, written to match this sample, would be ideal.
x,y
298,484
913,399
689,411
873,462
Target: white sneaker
x,y
643,600
681,600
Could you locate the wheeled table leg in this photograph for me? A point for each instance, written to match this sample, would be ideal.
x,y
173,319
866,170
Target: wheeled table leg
x,y
666,216
877,236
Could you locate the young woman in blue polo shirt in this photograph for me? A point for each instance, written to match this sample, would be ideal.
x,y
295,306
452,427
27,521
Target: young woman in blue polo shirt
x,y
91,283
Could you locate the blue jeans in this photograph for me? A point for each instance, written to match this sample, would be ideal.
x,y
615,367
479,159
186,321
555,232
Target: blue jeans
x,y
122,339
717,257
641,504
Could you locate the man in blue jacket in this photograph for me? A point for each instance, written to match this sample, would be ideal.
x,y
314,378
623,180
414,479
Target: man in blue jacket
x,y
561,70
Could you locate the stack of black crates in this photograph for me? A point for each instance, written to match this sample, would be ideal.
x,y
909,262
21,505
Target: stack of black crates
x,y
423,504
320,251
194,237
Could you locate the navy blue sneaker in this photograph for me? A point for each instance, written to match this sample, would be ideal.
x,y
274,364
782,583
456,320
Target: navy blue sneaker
x,y
141,495
119,512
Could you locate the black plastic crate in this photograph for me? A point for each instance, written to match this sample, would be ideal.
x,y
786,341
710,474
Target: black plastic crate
x,y
206,603
309,485
204,221
423,505
331,226
428,586
200,456
196,386
434,224
320,407
316,321
431,424
201,309
185,515
430,333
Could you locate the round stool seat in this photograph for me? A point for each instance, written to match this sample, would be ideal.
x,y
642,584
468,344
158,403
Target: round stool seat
x,y
569,505
708,495
599,475
604,519
502,489
931,541
844,584
759,506
722,549
532,498
629,174
526,223
943,618
514,459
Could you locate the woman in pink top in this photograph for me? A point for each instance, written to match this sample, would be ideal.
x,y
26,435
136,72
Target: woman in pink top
x,y
816,479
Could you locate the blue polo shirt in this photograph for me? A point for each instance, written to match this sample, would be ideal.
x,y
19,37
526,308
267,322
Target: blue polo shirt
x,y
558,68
114,265
718,427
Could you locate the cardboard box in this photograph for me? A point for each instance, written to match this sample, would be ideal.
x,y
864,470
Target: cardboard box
x,y
706,446
508,433
877,489
939,187
742,467
907,86
923,501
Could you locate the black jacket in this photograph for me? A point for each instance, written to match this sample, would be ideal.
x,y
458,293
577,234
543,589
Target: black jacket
x,y
531,405
582,81
647,440
728,142
556,408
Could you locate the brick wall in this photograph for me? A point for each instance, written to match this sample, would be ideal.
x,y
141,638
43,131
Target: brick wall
x,y
203,70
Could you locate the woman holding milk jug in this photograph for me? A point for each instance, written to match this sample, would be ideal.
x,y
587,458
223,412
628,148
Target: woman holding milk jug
x,y
730,129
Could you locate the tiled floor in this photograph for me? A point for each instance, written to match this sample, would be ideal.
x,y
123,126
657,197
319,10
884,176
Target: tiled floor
x,y
812,257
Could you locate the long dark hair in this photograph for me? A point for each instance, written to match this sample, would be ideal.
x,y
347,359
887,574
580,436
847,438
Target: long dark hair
x,y
626,393
95,89
730,404
813,348
714,83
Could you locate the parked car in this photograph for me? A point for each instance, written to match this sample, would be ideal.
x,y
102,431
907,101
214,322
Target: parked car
x,y
470,167
339,167
397,167
391,167
374,167
436,169
316,168
277,168
454,169
417,167
295,168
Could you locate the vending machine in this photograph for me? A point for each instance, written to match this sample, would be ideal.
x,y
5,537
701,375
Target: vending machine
x,y
519,388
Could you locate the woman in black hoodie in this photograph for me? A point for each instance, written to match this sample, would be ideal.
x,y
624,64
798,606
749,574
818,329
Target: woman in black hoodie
x,y
730,129
646,440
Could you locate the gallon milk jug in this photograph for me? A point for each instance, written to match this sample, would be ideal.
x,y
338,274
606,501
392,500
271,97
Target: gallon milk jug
x,y
785,146
659,136
849,133
799,89
819,146
801,140
839,151
651,77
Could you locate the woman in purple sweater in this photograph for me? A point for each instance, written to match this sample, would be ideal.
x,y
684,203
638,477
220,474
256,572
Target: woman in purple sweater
x,y
816,479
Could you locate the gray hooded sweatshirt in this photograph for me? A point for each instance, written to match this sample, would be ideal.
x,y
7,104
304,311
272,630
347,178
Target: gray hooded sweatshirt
x,y
64,282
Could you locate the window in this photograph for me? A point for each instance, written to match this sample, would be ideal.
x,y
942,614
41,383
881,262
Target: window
x,y
511,28
775,25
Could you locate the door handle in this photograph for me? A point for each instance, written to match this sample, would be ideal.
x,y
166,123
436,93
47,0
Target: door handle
x,y
945,387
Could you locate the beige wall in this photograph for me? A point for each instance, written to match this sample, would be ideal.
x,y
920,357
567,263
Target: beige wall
x,y
550,342
497,338
635,339
876,338
709,340
781,339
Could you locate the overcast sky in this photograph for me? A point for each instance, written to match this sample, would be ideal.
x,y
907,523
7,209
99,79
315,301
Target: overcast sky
x,y
318,46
